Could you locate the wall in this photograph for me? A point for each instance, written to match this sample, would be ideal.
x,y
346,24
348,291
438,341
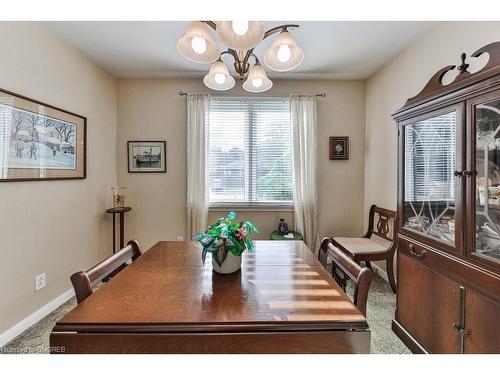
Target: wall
x,y
57,227
402,78
151,109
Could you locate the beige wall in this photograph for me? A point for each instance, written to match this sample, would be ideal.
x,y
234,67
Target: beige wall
x,y
151,109
57,227
404,77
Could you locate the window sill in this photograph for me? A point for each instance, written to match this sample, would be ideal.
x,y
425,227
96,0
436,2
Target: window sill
x,y
216,207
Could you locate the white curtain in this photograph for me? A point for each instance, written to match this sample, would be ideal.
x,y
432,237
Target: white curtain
x,y
305,194
197,197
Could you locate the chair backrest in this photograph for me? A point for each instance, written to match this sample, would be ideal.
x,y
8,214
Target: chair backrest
x,y
344,268
386,226
83,282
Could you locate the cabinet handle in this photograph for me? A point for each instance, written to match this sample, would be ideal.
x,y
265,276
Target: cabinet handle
x,y
464,173
418,255
461,330
469,173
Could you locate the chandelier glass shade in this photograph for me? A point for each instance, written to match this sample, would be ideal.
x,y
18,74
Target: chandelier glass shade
x,y
241,37
284,54
197,44
218,78
257,80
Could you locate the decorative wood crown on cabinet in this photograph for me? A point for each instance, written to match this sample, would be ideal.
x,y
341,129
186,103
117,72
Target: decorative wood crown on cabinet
x,y
448,290
435,88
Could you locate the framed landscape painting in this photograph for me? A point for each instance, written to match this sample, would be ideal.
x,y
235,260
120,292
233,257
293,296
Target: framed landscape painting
x,y
39,141
147,157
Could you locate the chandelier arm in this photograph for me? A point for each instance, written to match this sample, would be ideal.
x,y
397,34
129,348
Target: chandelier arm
x,y
212,24
228,51
257,61
248,54
269,32
276,29
233,53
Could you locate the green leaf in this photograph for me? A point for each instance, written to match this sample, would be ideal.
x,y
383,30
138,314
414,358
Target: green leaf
x,y
250,227
218,258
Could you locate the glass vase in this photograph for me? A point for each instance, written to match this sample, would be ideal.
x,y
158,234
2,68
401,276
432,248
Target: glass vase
x,y
118,196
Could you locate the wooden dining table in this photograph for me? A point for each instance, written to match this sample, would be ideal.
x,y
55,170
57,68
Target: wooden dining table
x,y
281,301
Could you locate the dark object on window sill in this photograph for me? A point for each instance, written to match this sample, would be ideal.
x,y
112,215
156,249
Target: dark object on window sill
x,y
282,227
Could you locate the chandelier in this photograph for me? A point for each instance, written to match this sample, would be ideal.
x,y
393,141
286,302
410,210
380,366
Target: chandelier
x,y
241,37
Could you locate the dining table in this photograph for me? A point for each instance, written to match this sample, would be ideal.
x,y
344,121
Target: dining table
x,y
282,300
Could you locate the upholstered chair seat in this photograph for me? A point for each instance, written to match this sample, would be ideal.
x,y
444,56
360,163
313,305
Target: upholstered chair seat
x,y
362,245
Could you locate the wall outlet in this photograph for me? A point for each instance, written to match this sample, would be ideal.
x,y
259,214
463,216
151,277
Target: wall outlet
x,y
180,238
39,281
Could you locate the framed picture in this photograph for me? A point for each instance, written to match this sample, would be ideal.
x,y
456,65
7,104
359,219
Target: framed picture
x,y
339,148
39,141
147,156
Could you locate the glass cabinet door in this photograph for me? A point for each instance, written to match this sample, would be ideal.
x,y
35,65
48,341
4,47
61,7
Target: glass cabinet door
x,y
430,186
486,167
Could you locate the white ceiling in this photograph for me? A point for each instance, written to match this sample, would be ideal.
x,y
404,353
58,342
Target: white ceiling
x,y
333,50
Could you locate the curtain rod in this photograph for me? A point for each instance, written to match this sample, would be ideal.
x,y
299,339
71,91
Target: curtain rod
x,y
322,95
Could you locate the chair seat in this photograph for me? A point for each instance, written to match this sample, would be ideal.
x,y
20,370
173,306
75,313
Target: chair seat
x,y
362,245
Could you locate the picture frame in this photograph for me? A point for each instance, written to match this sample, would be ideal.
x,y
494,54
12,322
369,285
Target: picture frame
x,y
147,156
39,141
339,148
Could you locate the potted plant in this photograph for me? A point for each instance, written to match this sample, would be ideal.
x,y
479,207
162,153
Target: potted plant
x,y
226,240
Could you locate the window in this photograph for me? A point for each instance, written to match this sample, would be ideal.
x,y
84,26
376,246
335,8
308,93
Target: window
x,y
249,152
430,159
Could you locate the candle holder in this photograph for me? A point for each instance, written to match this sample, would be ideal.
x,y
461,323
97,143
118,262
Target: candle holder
x,y
118,196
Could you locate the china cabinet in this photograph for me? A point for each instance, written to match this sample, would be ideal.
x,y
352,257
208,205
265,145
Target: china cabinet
x,y
448,282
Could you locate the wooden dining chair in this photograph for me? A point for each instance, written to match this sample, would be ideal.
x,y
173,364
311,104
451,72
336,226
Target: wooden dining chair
x,y
378,243
83,282
344,268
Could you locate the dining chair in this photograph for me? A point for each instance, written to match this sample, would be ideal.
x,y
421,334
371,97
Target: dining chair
x,y
378,243
344,268
83,282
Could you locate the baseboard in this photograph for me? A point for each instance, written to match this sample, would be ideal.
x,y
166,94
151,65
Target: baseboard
x,y
379,271
34,318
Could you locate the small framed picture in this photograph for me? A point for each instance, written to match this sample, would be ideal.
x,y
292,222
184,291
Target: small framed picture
x,y
339,148
147,157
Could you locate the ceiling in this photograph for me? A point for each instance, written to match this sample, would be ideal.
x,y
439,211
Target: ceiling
x,y
333,50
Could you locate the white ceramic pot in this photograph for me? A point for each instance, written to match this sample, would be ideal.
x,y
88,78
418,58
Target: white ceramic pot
x,y
231,264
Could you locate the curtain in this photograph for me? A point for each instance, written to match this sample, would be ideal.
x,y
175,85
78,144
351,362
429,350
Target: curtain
x,y
305,192
198,106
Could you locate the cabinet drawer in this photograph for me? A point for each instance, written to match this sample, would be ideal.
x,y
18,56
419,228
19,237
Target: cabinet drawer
x,y
424,254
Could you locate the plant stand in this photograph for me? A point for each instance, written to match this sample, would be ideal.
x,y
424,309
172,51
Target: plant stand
x,y
121,211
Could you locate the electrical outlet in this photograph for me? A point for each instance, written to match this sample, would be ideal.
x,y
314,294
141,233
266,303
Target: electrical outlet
x,y
39,281
180,238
